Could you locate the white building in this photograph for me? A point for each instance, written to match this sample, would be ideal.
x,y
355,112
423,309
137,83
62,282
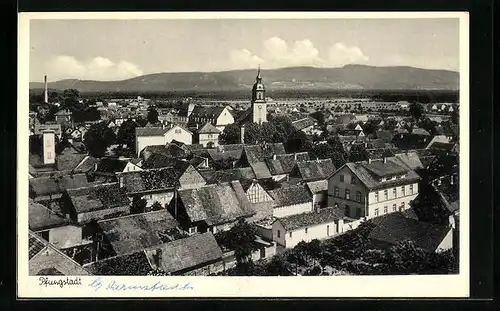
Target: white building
x,y
151,136
373,188
320,224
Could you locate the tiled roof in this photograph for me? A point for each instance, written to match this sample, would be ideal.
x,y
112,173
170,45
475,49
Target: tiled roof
x,y
188,253
216,204
410,159
410,141
49,260
394,228
354,133
43,186
158,160
260,170
134,264
420,131
290,195
150,131
379,153
98,197
304,220
226,152
318,186
133,233
210,112
208,128
40,217
67,161
381,169
316,169
303,123
373,183
149,180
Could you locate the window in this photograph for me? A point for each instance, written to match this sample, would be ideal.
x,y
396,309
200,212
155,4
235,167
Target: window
x,y
394,193
402,207
393,207
306,230
341,178
376,212
347,210
403,190
209,135
411,189
177,131
386,195
358,196
337,192
290,234
279,234
353,180
385,210
347,194
376,196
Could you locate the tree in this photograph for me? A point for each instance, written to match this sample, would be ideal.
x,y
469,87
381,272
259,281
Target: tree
x,y
138,205
252,134
98,138
126,133
428,125
333,149
230,135
370,127
152,115
454,116
357,153
389,124
70,99
416,110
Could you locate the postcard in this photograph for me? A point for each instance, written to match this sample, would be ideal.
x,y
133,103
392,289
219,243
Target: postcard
x,y
243,154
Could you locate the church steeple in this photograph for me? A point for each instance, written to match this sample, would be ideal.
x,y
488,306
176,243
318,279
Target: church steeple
x,y
259,107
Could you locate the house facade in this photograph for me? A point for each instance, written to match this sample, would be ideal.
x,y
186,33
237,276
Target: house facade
x,y
151,136
291,230
373,188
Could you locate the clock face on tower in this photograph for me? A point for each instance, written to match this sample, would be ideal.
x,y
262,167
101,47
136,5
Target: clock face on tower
x,y
260,107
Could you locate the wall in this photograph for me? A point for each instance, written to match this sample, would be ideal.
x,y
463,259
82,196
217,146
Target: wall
x,y
355,208
130,167
224,119
447,242
277,226
204,139
320,231
182,136
265,232
257,194
66,236
292,209
259,114
398,199
143,141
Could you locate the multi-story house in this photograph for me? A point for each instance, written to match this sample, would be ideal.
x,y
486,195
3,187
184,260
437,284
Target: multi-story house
x,y
373,188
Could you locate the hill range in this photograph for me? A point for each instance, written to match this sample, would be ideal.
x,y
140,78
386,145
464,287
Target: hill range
x,y
349,77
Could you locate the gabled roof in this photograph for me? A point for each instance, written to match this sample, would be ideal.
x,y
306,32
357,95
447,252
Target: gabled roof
x,y
45,259
317,186
290,195
149,180
98,197
371,181
394,228
379,153
233,151
316,169
208,128
410,159
208,112
41,218
387,169
133,233
43,186
216,204
186,254
298,221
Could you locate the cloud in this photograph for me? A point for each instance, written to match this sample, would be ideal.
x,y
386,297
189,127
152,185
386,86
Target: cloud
x,y
341,54
276,53
98,68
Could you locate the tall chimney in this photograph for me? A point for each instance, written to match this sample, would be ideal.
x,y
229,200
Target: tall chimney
x,y
242,134
45,90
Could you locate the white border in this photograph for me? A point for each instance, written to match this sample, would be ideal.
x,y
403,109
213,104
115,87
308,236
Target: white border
x,y
452,286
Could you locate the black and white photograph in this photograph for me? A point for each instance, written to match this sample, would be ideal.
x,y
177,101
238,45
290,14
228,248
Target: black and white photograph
x,y
233,146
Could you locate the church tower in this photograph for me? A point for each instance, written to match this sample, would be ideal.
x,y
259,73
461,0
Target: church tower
x,y
259,104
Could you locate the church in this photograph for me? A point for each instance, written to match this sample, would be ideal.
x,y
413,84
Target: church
x,y
257,113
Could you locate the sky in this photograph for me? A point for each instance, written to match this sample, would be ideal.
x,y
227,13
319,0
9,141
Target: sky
x,y
121,49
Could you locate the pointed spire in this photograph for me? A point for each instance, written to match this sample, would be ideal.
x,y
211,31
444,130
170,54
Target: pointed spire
x,y
258,78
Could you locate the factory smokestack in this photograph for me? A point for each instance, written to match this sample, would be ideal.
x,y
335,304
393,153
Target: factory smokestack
x,y
46,91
